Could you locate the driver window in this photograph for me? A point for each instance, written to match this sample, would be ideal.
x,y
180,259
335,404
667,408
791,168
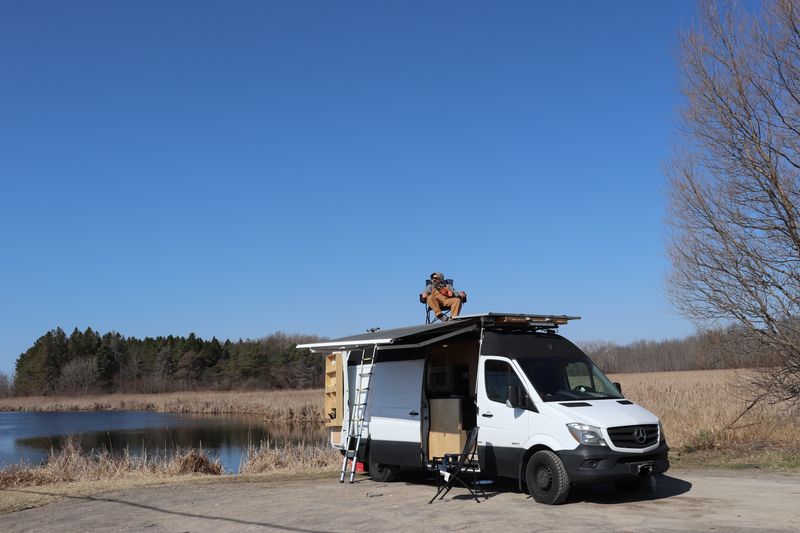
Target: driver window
x,y
578,374
498,376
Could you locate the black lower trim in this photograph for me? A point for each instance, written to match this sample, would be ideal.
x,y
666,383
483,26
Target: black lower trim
x,y
598,464
408,454
500,461
584,464
361,455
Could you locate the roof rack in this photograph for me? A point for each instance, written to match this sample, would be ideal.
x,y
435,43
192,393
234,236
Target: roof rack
x,y
535,321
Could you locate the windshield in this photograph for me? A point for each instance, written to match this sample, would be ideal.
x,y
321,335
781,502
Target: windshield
x,y
559,378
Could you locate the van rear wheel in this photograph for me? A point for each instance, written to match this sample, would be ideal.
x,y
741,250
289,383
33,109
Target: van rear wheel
x,y
381,472
547,478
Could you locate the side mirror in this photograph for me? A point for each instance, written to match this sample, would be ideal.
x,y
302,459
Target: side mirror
x,y
513,397
618,385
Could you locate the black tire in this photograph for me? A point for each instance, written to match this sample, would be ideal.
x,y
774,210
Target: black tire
x,y
643,484
382,472
547,478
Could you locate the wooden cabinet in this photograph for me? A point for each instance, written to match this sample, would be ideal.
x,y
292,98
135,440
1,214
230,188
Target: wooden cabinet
x,y
446,433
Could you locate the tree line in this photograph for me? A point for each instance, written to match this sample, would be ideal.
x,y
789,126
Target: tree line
x,y
87,362
90,362
730,347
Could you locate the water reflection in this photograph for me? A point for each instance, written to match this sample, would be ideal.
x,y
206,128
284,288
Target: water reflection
x,y
30,436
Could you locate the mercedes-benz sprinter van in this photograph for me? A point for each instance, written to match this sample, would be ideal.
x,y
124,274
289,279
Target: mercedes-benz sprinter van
x,y
546,415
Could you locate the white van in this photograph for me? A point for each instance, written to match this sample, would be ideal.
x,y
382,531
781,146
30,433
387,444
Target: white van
x,y
546,415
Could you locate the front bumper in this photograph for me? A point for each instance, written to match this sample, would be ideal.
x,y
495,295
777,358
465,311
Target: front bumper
x,y
598,464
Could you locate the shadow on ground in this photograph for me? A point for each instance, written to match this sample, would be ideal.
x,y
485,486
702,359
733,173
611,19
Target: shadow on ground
x,y
661,486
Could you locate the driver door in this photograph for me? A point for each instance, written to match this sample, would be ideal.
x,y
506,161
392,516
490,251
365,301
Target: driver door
x,y
502,429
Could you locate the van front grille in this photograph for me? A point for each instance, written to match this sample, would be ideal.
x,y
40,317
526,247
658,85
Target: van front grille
x,y
634,436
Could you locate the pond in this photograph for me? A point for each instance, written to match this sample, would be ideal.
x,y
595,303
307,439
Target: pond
x,y
30,436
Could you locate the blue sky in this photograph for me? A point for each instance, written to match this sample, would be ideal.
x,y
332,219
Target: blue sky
x,y
238,168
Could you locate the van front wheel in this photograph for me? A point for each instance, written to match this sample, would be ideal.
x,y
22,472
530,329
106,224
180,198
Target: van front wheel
x,y
547,478
381,472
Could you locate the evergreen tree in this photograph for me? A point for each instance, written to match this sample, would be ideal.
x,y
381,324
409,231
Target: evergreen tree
x,y
86,360
55,354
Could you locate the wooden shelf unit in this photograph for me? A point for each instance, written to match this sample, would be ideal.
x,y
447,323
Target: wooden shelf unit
x,y
334,391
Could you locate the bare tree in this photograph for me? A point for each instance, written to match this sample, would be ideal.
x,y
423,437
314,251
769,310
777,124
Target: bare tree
x,y
735,184
6,383
78,376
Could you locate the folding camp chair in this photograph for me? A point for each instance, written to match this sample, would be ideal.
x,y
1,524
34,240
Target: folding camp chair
x,y
429,316
462,468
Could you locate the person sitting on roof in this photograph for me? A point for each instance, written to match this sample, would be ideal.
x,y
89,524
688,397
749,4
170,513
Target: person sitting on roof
x,y
439,294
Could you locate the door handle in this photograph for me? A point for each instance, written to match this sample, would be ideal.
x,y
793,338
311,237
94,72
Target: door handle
x,y
413,413
487,415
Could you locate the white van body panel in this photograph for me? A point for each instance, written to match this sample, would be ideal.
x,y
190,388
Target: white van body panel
x,y
605,413
544,439
395,399
549,428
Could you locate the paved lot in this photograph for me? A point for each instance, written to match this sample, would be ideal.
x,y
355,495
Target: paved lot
x,y
684,500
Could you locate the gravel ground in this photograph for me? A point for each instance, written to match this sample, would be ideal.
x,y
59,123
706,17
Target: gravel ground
x,y
683,500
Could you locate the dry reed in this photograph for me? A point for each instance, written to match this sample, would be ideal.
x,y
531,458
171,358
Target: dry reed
x,y
276,405
269,457
70,464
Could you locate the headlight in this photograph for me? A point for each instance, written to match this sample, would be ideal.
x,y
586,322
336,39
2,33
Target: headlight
x,y
663,436
586,434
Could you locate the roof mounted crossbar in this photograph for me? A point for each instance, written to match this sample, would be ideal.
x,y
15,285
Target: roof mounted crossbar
x,y
529,321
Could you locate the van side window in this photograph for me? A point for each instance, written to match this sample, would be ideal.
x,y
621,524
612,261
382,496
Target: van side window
x,y
499,375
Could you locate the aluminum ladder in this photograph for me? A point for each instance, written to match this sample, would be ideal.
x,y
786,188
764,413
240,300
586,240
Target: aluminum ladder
x,y
358,411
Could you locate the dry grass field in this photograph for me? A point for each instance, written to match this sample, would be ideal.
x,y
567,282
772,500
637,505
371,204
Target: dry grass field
x,y
700,410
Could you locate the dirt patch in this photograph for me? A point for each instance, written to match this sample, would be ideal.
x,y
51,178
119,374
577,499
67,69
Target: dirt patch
x,y
19,498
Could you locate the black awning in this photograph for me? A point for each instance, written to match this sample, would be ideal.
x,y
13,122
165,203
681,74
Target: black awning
x,y
422,333
396,336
